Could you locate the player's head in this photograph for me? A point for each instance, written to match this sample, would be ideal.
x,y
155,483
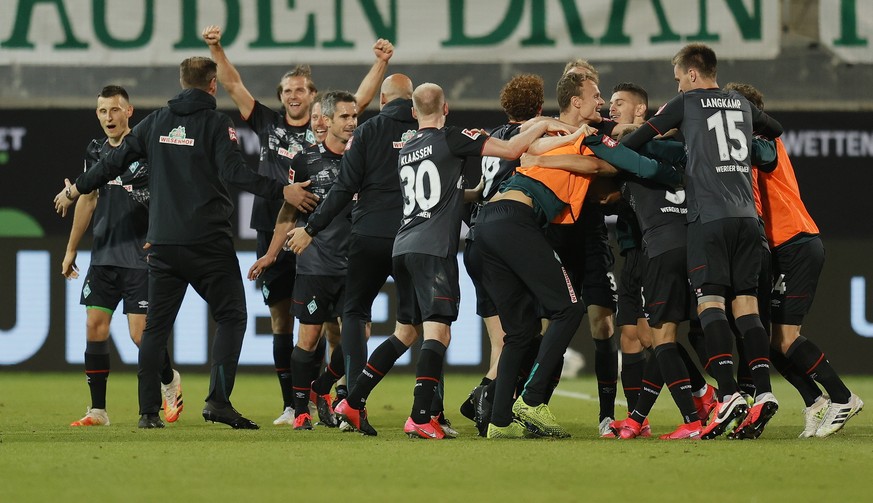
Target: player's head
x,y
316,120
695,67
340,112
522,97
428,101
114,111
579,97
198,73
751,93
628,104
395,86
582,66
296,91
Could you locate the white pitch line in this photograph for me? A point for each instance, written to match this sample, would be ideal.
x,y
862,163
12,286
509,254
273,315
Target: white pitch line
x,y
584,396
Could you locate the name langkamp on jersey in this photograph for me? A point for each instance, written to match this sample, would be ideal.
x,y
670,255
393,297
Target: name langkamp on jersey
x,y
721,103
417,155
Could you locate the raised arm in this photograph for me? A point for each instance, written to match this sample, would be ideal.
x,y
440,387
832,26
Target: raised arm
x,y
228,75
574,163
518,144
383,50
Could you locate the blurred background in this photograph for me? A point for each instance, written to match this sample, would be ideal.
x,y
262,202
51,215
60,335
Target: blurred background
x,y
813,60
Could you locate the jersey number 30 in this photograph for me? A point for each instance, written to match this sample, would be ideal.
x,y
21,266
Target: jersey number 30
x,y
414,191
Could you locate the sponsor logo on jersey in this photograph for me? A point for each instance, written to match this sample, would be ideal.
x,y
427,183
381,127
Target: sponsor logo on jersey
x,y
231,132
609,141
296,148
405,137
291,174
472,133
133,166
177,137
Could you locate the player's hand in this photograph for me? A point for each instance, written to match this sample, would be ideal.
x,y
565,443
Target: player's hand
x,y
298,240
212,35
528,160
260,265
68,266
62,202
297,196
383,49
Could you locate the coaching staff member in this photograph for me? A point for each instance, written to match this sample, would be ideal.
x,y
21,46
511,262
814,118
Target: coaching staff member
x,y
193,153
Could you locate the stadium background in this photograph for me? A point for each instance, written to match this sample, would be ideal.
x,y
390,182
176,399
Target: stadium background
x,y
812,59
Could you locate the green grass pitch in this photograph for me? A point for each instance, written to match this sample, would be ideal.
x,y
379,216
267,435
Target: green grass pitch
x,y
43,459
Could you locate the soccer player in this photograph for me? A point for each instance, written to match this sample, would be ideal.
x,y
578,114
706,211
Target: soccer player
x,y
321,269
118,269
192,151
426,246
368,173
522,99
723,237
282,136
797,260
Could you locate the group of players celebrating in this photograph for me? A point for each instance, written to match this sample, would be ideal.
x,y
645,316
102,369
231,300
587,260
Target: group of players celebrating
x,y
705,196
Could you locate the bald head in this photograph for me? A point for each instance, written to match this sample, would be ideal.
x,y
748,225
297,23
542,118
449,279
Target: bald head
x,y
428,99
396,86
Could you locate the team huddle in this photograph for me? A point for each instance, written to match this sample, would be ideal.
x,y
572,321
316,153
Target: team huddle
x,y
710,226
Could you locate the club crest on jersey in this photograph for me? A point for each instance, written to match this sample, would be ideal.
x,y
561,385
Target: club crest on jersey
x,y
133,166
177,137
609,141
296,148
472,133
405,137
231,132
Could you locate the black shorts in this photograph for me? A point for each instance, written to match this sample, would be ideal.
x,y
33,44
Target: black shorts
x,y
796,269
317,299
587,256
484,305
630,300
665,288
106,286
277,282
724,257
427,288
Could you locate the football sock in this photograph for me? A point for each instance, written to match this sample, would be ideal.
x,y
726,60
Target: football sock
x,y
698,343
756,345
427,377
804,384
380,363
719,347
744,373
697,380
807,357
651,386
301,371
556,379
332,373
632,365
282,347
606,370
676,377
97,371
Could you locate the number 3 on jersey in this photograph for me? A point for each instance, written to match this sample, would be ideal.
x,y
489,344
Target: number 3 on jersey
x,y
421,188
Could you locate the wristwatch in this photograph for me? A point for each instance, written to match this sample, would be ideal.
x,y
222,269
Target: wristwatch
x,y
69,194
309,230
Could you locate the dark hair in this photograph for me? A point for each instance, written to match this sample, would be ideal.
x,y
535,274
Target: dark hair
x,y
754,96
699,57
331,98
630,87
112,90
570,85
299,71
197,72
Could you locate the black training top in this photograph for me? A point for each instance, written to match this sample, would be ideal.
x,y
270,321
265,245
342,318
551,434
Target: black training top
x,y
192,151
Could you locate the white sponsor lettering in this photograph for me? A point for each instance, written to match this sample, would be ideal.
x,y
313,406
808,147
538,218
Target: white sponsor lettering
x,y
828,143
860,323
